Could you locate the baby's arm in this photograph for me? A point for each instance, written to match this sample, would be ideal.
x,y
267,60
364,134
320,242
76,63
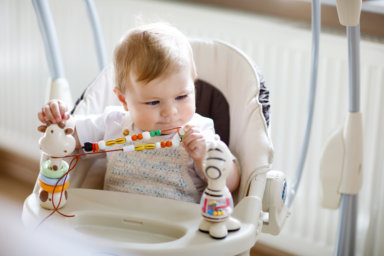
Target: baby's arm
x,y
196,146
233,178
56,112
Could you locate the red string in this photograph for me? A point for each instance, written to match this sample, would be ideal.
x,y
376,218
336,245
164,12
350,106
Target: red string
x,y
175,128
74,161
56,208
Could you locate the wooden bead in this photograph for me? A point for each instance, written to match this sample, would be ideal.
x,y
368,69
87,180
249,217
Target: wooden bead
x,y
146,135
95,147
150,146
120,140
110,143
139,147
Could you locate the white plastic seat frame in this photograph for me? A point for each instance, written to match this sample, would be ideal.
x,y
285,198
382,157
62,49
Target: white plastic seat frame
x,y
104,212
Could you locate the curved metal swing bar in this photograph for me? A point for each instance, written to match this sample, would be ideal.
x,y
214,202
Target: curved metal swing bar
x,y
51,43
316,28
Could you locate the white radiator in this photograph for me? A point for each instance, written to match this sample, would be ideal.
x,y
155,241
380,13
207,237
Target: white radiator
x,y
282,51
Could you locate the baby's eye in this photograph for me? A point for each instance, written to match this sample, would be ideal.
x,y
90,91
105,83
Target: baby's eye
x,y
181,97
152,103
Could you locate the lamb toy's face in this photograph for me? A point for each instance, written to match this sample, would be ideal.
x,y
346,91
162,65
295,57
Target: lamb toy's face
x,y
57,141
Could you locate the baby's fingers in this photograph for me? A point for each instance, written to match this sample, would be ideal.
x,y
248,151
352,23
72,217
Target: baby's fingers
x,y
197,144
41,117
55,111
63,111
47,113
197,148
189,138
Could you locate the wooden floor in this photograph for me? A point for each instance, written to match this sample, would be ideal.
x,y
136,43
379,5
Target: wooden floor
x,y
14,188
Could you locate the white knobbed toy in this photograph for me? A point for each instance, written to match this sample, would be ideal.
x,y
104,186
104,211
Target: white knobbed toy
x,y
56,142
216,202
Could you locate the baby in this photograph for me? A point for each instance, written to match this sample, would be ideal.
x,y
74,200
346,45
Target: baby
x,y
154,75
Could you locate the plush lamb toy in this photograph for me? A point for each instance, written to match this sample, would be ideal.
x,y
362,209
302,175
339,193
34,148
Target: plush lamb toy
x,y
216,203
56,142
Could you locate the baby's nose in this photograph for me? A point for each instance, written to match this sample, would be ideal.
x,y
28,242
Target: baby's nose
x,y
169,111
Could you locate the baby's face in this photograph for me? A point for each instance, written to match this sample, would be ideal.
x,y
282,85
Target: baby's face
x,y
164,103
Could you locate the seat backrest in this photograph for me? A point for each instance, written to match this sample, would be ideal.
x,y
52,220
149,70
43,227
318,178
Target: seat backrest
x,y
236,77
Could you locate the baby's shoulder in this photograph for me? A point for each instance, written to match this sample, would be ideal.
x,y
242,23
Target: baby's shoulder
x,y
201,121
114,114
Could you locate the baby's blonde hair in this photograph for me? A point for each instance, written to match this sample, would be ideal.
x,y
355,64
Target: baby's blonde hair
x,y
151,51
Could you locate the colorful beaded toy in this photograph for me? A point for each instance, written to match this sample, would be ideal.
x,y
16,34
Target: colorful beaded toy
x,y
102,145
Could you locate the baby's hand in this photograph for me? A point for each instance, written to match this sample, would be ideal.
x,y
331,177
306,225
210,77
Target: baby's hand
x,y
195,143
55,112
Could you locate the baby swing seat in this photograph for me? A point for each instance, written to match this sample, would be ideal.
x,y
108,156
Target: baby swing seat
x,y
124,223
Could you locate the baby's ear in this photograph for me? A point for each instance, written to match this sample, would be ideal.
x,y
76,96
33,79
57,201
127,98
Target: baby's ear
x,y
116,90
121,97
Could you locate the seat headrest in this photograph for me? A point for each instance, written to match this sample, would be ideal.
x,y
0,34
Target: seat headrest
x,y
235,75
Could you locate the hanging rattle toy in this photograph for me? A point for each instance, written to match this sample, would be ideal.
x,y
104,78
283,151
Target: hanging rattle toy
x,y
128,139
57,143
216,203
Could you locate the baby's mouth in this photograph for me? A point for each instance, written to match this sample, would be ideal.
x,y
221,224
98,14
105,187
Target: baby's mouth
x,y
168,125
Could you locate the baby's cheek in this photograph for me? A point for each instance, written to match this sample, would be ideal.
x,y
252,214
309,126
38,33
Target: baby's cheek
x,y
145,119
189,111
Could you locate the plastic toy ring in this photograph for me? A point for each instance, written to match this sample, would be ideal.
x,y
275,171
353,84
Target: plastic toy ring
x,y
48,172
51,181
49,188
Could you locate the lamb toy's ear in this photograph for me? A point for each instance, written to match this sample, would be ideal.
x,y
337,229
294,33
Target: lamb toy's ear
x,y
42,128
61,125
68,131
